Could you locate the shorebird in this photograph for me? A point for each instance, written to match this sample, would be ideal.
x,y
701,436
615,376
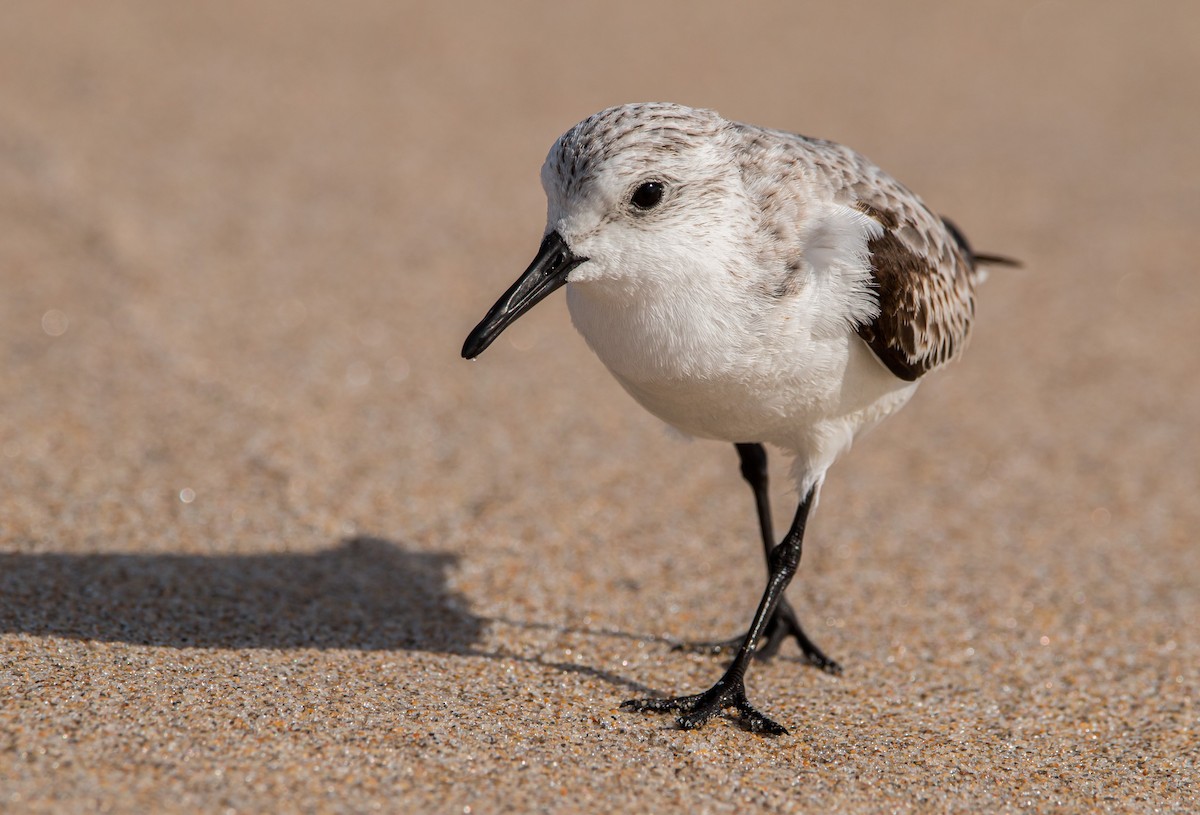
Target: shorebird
x,y
752,286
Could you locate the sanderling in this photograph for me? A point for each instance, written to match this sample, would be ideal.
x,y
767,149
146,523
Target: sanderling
x,y
752,286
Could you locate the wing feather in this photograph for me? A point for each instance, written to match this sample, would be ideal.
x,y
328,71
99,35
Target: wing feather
x,y
925,281
922,269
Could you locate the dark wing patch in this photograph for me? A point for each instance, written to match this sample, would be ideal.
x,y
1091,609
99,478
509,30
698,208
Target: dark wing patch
x,y
883,216
926,304
923,272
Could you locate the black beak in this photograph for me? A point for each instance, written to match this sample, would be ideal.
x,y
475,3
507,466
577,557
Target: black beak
x,y
547,272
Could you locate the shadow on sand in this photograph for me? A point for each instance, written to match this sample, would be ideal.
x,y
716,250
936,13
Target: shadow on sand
x,y
366,593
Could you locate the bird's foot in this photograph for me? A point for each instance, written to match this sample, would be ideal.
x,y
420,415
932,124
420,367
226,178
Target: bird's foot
x,y
698,708
783,624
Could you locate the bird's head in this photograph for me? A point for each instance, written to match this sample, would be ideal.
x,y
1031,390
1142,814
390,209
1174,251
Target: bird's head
x,y
644,195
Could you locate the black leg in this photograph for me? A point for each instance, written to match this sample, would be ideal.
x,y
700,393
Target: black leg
x,y
784,623
730,690
753,459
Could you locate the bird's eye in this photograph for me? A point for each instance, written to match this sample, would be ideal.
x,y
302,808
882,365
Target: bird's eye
x,y
647,195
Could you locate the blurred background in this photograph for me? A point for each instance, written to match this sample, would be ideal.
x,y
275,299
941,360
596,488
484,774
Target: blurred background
x,y
241,245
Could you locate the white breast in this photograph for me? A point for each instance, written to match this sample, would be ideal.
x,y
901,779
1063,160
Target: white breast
x,y
715,347
714,371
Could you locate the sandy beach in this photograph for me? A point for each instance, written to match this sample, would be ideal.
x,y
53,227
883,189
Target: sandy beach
x,y
267,544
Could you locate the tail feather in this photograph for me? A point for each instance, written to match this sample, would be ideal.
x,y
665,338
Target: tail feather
x,y
988,259
977,258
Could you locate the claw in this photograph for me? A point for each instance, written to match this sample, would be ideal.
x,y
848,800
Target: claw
x,y
823,663
696,709
756,722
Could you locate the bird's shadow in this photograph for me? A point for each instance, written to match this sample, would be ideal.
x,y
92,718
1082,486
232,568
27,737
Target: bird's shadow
x,y
364,593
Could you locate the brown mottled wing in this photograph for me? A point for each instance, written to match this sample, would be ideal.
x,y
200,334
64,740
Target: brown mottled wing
x,y
922,267
925,282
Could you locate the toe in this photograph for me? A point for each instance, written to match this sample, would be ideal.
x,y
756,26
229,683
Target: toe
x,y
680,704
756,722
695,719
824,663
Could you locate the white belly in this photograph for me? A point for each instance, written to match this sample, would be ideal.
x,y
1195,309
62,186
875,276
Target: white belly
x,y
717,374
